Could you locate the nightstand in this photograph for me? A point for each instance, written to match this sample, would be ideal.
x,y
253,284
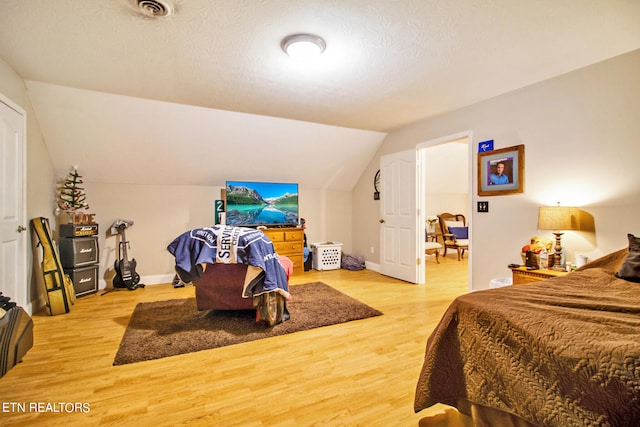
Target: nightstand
x,y
521,275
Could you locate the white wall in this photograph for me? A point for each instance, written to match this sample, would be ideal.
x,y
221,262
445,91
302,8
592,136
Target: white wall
x,y
581,135
437,203
328,214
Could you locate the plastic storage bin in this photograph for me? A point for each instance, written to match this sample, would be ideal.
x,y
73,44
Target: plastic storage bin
x,y
500,282
327,255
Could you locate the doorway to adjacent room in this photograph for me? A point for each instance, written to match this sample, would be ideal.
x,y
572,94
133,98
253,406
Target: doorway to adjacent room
x,y
444,186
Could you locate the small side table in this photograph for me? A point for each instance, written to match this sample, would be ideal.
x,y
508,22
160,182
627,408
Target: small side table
x,y
521,275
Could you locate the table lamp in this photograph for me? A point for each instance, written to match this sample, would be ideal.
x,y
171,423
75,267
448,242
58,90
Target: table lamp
x,y
558,218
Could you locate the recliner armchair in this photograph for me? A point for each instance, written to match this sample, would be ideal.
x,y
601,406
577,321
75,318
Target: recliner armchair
x,y
221,285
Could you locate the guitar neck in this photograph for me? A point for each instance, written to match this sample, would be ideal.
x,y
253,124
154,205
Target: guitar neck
x,y
125,258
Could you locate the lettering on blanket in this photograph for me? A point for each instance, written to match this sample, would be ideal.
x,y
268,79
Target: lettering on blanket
x,y
270,256
204,235
228,245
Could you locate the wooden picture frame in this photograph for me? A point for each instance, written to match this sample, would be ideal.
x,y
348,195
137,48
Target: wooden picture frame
x,y
501,171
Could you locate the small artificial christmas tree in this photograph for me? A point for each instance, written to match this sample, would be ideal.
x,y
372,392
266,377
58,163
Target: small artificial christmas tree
x,y
71,196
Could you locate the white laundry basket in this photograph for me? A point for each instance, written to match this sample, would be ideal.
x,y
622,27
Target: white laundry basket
x,y
326,255
500,282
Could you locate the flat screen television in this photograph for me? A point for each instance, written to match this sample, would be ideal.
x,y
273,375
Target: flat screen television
x,y
253,204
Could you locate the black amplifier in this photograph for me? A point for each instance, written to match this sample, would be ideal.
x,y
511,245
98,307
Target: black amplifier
x,y
78,230
78,251
85,279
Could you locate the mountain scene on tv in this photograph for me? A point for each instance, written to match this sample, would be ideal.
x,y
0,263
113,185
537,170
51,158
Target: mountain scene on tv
x,y
262,204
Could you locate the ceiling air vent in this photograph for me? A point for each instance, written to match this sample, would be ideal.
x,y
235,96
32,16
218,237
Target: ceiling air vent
x,y
155,8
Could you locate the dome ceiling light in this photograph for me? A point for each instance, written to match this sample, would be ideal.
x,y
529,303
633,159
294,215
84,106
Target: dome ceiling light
x,y
303,46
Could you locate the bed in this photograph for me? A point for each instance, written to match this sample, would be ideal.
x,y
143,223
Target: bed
x,y
560,352
223,259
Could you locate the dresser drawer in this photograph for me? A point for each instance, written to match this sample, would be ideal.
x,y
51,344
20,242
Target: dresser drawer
x,y
290,235
521,279
523,276
298,263
275,236
286,248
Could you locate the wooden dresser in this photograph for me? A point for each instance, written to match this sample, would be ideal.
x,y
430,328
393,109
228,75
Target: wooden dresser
x,y
521,275
290,243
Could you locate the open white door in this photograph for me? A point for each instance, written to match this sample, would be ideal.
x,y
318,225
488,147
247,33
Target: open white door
x,y
13,227
398,216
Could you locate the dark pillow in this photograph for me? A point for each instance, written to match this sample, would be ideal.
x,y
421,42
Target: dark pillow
x,y
460,232
630,268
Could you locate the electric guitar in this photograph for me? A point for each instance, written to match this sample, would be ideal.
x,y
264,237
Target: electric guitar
x,y
126,276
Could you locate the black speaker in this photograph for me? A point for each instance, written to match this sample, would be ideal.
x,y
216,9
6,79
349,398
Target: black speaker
x,y
85,279
79,251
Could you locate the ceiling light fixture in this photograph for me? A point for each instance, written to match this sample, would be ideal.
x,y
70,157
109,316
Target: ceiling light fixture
x,y
303,46
155,8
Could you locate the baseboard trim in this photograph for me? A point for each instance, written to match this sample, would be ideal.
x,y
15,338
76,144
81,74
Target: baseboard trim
x,y
372,266
158,279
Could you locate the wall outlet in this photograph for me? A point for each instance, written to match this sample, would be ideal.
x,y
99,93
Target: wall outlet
x,y
371,249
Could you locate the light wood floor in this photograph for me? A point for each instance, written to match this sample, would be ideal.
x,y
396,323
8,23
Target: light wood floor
x,y
361,373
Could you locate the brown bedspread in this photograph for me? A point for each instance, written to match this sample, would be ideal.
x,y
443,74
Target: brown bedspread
x,y
562,352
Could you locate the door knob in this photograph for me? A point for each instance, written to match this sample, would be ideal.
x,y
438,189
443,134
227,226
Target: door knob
x,y
381,221
21,229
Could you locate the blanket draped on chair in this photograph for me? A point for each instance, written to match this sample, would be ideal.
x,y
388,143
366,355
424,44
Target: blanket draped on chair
x,y
229,245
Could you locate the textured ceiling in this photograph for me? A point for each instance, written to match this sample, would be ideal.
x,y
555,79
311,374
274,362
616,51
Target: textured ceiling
x,y
387,63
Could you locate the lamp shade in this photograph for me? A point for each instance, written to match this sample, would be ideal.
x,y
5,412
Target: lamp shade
x,y
558,218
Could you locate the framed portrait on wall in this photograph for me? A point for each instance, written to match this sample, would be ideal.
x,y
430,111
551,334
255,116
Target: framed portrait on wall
x,y
501,171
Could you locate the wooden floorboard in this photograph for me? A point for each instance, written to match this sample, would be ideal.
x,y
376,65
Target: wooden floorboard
x,y
361,373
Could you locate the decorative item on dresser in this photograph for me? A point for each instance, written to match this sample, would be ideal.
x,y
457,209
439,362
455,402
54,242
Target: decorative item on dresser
x,y
536,253
521,275
290,243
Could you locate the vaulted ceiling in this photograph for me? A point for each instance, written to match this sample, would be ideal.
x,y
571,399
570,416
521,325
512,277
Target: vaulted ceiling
x,y
135,98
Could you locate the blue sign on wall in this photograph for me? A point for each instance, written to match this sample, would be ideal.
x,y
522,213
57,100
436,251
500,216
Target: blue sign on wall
x,y
485,146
